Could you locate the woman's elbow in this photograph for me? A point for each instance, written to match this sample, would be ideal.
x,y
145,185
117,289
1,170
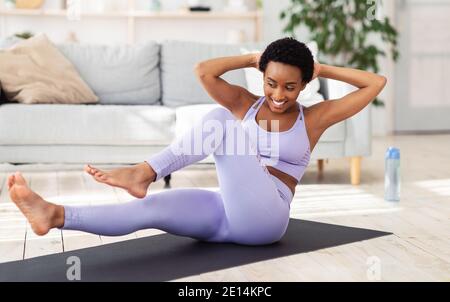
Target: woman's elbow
x,y
381,81
199,70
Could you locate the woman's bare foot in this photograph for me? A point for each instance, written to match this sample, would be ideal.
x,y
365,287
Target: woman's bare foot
x,y
41,215
135,179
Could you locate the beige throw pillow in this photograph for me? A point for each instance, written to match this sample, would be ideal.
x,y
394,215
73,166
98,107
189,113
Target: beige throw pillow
x,y
34,71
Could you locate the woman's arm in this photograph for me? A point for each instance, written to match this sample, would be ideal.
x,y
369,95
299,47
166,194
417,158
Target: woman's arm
x,y
230,96
334,111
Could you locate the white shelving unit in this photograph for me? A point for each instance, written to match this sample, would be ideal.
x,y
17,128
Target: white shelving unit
x,y
251,22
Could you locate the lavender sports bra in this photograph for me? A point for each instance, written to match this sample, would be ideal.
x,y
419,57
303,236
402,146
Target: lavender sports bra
x,y
287,151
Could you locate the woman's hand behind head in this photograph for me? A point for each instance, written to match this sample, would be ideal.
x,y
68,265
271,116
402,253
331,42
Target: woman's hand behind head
x,y
316,73
257,58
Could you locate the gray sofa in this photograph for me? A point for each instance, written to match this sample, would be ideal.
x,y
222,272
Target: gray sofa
x,y
148,93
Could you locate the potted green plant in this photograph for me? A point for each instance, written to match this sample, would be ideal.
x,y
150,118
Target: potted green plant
x,y
344,31
10,4
24,35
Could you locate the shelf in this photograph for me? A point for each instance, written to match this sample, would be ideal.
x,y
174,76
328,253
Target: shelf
x,y
135,14
31,12
133,18
196,15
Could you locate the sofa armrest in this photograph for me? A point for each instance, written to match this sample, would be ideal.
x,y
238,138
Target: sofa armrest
x,y
358,137
358,141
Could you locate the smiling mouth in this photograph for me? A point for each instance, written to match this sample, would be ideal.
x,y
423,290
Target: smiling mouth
x,y
278,104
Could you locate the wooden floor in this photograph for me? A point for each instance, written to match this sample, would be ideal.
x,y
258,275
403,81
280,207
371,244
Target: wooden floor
x,y
418,250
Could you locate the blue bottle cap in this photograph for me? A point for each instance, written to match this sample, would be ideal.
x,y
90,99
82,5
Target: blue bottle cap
x,y
393,152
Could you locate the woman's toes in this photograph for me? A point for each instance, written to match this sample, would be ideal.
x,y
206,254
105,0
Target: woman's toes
x,y
19,179
87,169
100,176
91,170
10,181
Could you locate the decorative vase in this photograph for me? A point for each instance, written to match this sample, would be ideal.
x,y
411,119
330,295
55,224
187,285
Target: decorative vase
x,y
236,6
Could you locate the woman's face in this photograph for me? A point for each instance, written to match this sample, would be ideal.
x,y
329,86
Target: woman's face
x,y
282,85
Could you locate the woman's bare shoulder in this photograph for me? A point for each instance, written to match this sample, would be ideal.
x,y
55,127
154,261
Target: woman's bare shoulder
x,y
248,100
312,113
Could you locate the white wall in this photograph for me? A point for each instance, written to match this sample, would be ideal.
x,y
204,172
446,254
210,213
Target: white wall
x,y
387,68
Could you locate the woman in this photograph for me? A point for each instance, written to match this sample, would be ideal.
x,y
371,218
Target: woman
x,y
256,188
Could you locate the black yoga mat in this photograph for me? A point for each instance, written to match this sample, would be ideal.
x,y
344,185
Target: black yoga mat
x,y
167,257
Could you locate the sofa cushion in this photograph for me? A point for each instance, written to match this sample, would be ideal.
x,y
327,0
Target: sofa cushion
x,y
186,116
2,95
34,71
178,59
118,74
60,124
6,43
9,41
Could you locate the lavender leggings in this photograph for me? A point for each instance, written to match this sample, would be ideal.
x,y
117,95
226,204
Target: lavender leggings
x,y
251,207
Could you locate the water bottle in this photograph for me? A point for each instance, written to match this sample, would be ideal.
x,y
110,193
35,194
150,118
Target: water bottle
x,y
392,174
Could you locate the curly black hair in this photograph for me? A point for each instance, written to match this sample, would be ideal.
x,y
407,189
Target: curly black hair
x,y
292,52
